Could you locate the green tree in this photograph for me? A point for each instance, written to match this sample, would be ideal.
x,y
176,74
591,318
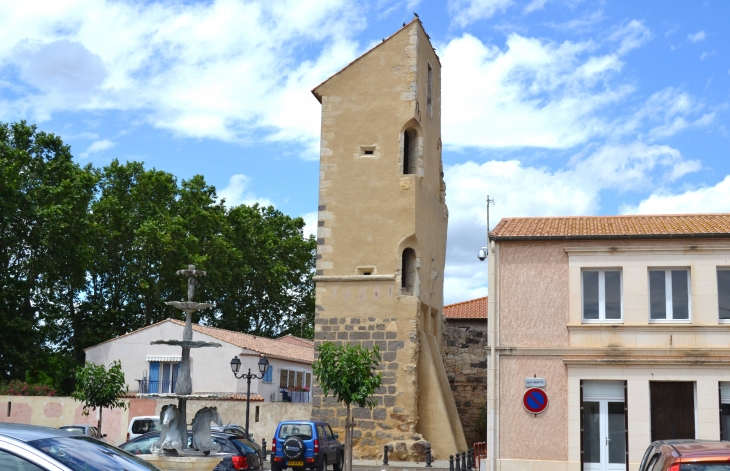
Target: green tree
x,y
348,372
44,199
262,281
97,387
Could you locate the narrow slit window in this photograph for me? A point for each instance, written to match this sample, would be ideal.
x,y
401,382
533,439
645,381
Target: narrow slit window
x,y
408,271
429,92
602,295
669,295
410,137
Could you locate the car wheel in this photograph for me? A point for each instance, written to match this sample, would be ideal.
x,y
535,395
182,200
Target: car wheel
x,y
323,466
337,465
293,448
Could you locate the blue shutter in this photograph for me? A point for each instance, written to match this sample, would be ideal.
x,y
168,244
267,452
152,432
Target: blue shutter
x,y
154,377
269,374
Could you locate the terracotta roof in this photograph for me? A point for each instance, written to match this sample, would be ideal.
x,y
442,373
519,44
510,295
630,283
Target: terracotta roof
x,y
614,227
269,347
289,338
474,309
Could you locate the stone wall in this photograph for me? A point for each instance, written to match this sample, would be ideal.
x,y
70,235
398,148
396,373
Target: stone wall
x,y
465,360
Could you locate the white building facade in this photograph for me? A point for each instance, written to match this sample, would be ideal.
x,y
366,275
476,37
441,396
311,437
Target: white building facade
x,y
153,368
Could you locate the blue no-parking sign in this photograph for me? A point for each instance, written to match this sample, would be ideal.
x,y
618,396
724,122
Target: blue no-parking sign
x,y
535,400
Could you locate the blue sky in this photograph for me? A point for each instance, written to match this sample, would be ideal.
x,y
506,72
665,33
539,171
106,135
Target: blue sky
x,y
552,107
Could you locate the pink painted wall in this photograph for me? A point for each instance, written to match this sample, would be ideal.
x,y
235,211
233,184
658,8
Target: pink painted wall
x,y
533,294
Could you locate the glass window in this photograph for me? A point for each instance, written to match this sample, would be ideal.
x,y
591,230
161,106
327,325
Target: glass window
x,y
602,295
669,294
11,462
87,454
723,293
301,430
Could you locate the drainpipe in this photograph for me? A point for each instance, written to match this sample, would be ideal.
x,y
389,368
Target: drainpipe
x,y
492,339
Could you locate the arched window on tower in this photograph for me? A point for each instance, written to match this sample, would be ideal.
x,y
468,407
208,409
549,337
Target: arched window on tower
x,y
410,137
408,271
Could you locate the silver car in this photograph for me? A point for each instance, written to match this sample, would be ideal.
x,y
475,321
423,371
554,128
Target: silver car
x,y
32,448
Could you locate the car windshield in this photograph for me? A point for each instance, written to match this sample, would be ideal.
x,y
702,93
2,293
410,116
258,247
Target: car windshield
x,y
146,425
300,430
74,429
705,466
86,454
242,445
141,445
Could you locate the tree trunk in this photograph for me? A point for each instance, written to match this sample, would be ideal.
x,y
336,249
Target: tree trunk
x,y
101,409
348,437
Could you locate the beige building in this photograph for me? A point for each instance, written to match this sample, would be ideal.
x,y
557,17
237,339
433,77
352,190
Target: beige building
x,y
625,319
382,241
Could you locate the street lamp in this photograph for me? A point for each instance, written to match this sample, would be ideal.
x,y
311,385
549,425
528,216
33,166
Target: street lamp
x,y
263,367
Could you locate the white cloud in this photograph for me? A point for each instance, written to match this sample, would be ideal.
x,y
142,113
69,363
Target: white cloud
x,y
697,37
533,94
310,223
709,199
535,5
631,36
520,190
97,146
466,12
225,69
237,193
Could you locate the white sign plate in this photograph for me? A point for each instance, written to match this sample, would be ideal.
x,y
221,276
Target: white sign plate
x,y
534,382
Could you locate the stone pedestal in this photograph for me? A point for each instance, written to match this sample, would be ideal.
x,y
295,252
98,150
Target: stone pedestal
x,y
184,463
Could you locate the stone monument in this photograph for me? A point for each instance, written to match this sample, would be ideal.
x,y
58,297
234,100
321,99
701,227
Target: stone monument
x,y
381,243
173,438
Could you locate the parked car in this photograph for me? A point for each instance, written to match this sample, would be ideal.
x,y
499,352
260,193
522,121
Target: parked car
x,y
89,430
238,430
686,455
303,444
29,447
245,456
143,424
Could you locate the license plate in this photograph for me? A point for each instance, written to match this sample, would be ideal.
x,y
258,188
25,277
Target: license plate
x,y
295,463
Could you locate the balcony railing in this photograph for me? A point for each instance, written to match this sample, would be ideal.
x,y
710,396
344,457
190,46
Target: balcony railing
x,y
156,387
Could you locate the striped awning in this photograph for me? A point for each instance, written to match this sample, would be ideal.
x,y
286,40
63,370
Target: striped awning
x,y
167,358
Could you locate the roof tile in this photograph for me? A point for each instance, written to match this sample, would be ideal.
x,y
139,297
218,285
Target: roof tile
x,y
669,225
474,309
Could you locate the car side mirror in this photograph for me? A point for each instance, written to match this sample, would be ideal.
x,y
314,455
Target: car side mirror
x,y
103,436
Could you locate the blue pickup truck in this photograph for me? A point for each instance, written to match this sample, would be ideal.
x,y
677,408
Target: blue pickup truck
x,y
303,444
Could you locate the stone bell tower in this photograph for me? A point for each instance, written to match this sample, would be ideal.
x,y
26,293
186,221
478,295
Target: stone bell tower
x,y
382,242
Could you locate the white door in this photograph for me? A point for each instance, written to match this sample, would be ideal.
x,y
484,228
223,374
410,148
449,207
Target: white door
x,y
604,426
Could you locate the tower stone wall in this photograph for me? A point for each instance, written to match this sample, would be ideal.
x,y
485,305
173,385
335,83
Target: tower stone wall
x,y
381,242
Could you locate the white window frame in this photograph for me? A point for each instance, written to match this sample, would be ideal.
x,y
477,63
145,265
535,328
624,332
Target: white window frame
x,y
602,295
720,268
668,295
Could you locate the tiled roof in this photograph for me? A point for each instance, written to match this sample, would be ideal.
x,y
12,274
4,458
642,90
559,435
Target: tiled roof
x,y
474,309
270,347
614,227
296,340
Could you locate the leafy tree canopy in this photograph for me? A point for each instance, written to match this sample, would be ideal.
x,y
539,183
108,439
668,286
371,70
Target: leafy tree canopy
x,y
97,388
90,254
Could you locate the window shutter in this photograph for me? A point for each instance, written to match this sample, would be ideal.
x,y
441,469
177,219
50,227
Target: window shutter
x,y
154,376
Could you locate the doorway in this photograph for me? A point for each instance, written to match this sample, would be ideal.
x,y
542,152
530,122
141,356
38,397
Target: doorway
x,y
603,425
672,410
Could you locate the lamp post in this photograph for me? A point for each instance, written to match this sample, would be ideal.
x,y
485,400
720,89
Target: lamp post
x,y
263,367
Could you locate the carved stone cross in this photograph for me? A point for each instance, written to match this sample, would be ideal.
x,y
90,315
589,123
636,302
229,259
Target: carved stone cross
x,y
191,273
